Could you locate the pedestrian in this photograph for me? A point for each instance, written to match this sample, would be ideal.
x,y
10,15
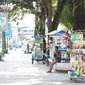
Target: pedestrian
x,y
47,51
27,48
47,54
56,59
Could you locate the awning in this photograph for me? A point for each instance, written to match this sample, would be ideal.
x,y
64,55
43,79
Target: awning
x,y
55,32
62,32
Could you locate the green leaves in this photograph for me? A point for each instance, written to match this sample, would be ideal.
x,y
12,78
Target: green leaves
x,y
23,5
67,17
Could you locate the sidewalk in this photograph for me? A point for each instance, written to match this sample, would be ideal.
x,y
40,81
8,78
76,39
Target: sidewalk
x,y
16,69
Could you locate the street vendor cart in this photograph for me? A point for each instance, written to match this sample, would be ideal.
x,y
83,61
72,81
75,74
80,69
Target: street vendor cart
x,y
37,51
78,66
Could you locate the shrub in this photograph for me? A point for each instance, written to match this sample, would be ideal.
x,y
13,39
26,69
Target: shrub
x,y
5,50
0,54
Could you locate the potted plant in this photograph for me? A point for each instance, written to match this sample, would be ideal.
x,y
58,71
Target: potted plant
x,y
0,56
5,51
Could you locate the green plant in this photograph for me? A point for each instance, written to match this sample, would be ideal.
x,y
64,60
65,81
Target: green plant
x,y
5,50
0,54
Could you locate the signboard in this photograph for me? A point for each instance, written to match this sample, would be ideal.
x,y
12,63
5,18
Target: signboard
x,y
9,26
3,21
8,33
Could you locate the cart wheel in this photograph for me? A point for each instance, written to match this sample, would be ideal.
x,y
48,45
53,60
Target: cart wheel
x,y
70,78
37,61
32,61
82,79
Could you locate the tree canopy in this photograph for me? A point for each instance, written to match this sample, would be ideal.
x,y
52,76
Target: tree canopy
x,y
60,11
67,16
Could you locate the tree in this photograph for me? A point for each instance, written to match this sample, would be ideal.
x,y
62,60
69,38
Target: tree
x,y
76,14
49,13
67,17
61,4
79,11
40,17
39,11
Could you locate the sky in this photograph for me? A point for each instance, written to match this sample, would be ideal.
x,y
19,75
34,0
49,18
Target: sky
x,y
28,20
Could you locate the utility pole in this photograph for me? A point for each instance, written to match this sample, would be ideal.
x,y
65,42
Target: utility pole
x,y
4,27
3,42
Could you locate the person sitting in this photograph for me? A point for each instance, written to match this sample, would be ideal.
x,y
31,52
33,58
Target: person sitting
x,y
57,58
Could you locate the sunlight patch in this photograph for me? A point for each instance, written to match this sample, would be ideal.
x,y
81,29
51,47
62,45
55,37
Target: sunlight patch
x,y
57,83
24,83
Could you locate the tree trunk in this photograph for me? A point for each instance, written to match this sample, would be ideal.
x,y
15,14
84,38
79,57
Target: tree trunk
x,y
36,24
42,22
58,13
40,19
49,14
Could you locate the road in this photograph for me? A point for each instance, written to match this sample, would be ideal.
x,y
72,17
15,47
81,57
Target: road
x,y
16,69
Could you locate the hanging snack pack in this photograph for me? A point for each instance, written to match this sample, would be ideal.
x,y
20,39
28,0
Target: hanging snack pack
x,y
76,62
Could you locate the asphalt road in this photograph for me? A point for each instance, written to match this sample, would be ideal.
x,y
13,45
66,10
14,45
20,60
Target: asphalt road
x,y
16,69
